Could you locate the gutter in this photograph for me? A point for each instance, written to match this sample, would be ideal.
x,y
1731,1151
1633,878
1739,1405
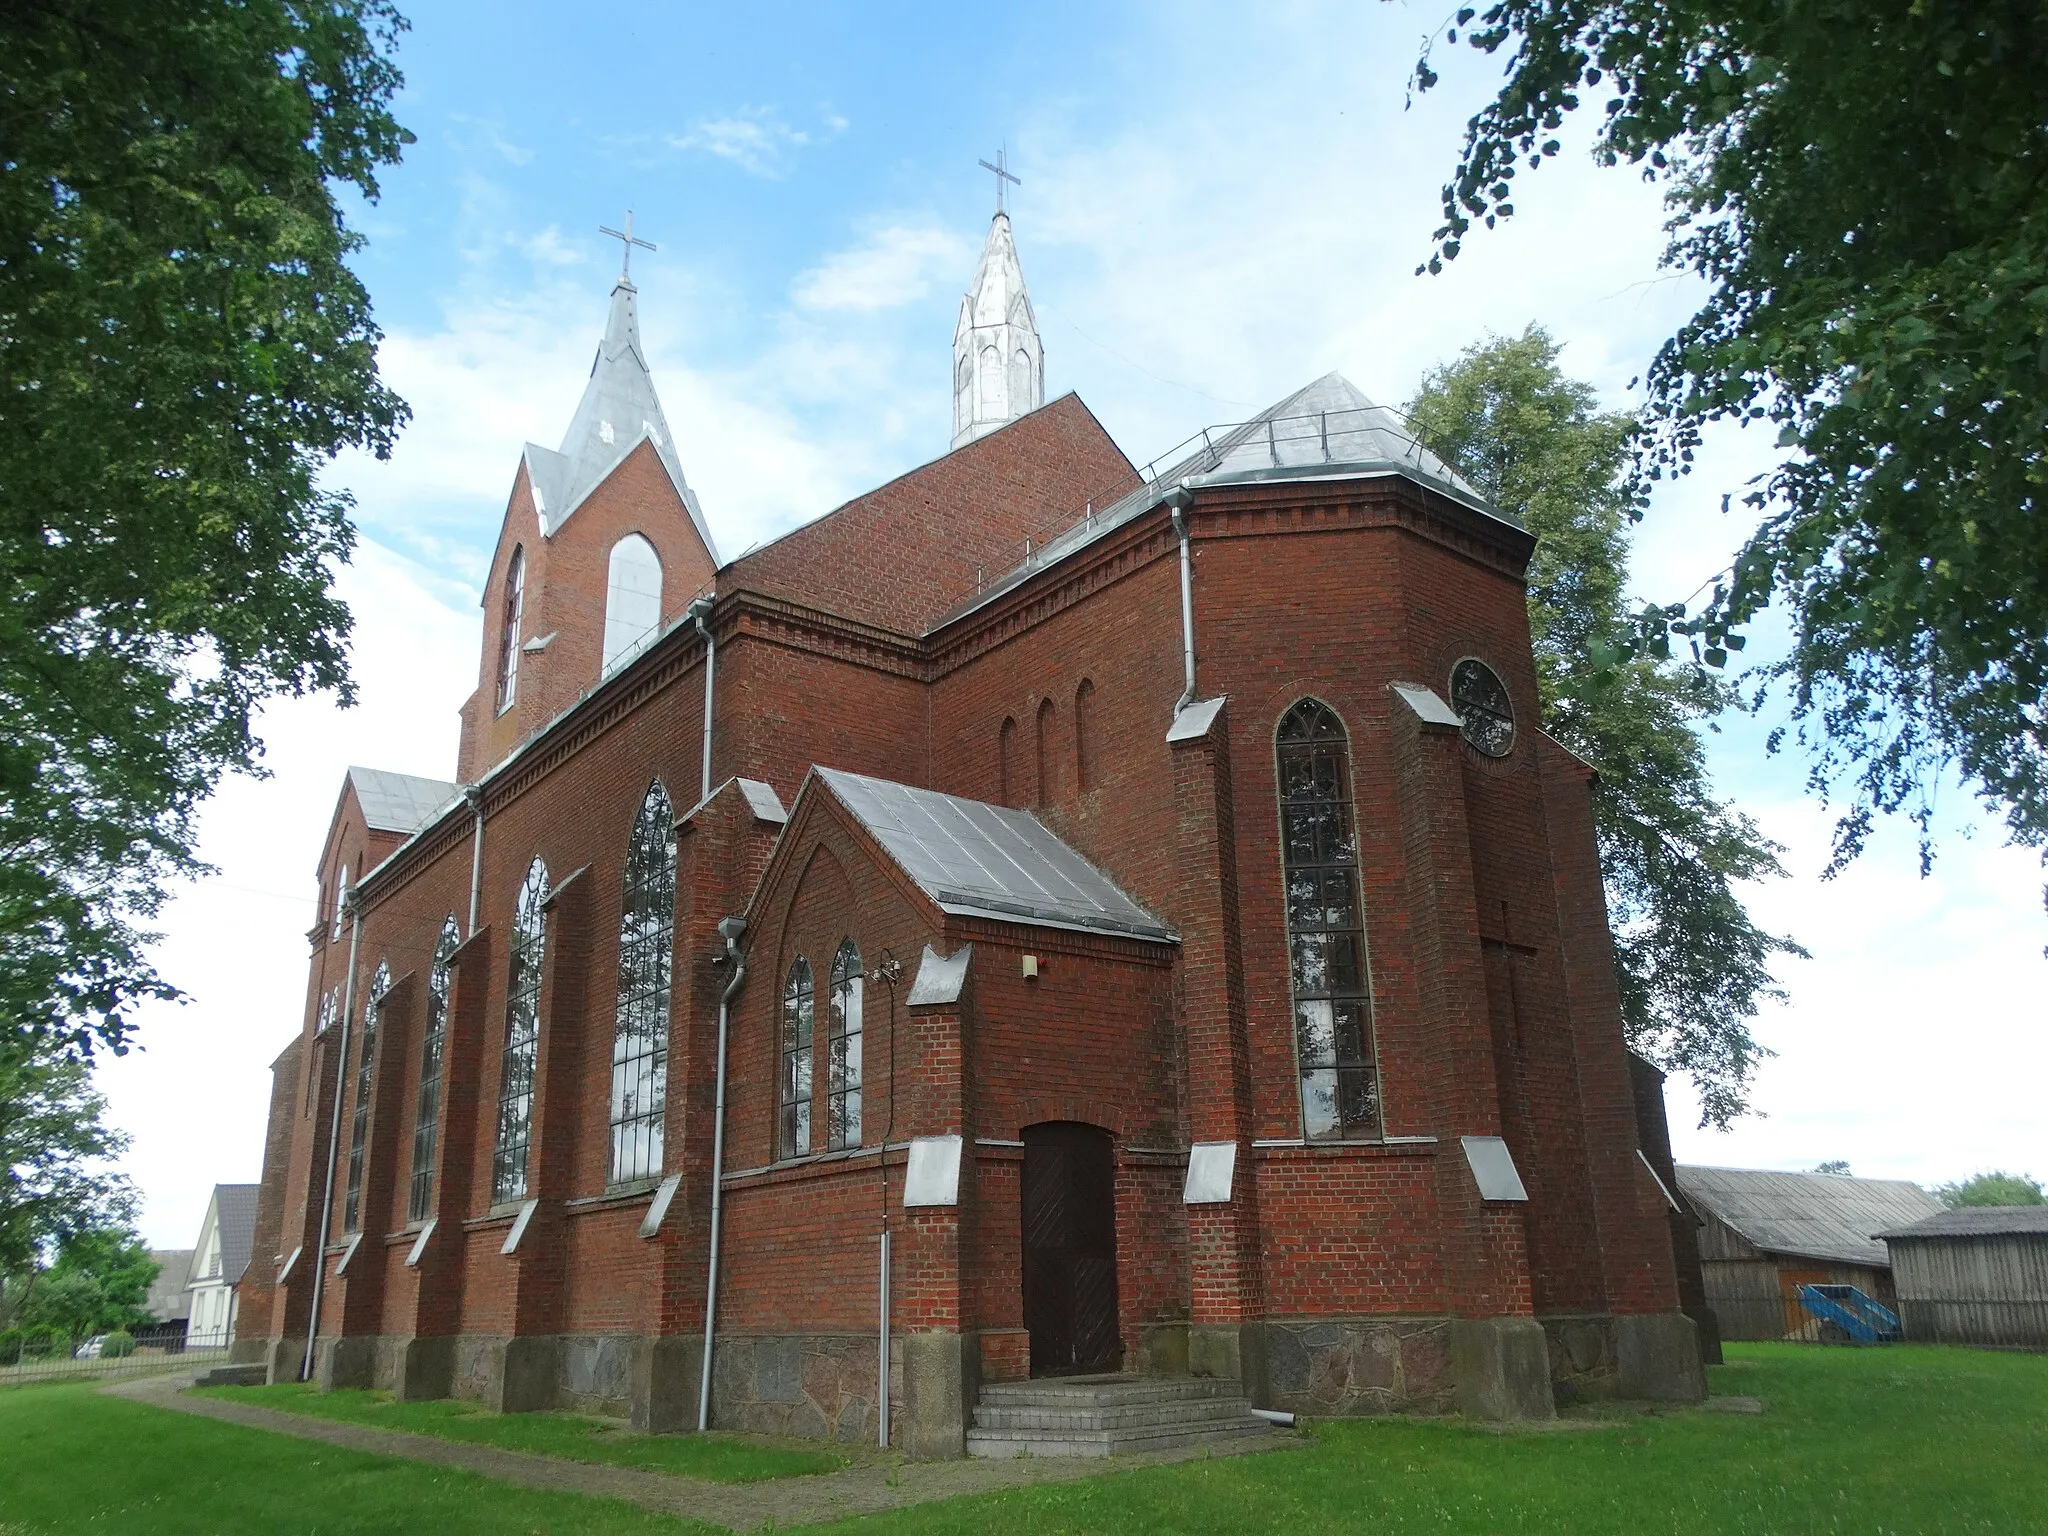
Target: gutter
x,y
731,929
1178,502
700,610
348,1005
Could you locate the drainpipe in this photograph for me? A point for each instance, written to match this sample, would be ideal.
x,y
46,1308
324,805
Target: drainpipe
x,y
889,971
1178,501
474,794
730,929
348,1005
700,610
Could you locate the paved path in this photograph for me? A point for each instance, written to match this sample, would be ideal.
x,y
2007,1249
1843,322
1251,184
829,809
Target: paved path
x,y
857,1490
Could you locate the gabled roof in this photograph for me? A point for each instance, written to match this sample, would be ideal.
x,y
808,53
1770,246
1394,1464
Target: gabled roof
x,y
619,408
1979,1221
234,1213
1807,1215
399,802
978,860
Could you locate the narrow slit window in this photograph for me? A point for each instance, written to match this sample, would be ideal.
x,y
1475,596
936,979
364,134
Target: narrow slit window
x,y
508,640
647,939
1340,1097
522,1039
1084,704
842,1063
794,1139
359,1121
426,1115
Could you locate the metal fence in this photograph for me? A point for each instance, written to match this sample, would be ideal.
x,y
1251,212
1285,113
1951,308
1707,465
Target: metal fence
x,y
162,1347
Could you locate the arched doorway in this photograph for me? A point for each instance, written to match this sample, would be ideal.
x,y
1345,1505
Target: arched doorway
x,y
1069,1230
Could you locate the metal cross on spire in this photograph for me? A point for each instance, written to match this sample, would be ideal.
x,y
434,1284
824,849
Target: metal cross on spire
x,y
627,240
1002,170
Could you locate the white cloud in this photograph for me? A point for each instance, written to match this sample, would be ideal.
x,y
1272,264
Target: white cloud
x,y
756,139
893,265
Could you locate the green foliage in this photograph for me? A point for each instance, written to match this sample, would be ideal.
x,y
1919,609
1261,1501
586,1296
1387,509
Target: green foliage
x,y
99,1281
1996,1188
54,1148
117,1345
182,349
10,1346
1692,968
1864,185
1835,1165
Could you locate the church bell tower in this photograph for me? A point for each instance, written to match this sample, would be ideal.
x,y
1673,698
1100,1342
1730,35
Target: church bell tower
x,y
998,361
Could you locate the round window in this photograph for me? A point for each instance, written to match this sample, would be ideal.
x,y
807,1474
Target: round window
x,y
1480,697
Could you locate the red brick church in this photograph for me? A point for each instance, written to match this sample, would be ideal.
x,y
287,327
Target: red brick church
x,y
1060,920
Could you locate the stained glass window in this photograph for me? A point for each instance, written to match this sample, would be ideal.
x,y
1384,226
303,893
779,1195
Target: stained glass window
x,y
420,1204
522,1039
1340,1099
1481,700
797,1003
842,1061
359,1121
647,940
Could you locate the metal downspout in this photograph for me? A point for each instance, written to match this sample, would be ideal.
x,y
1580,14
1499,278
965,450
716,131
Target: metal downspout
x,y
1178,501
700,610
731,929
348,1004
474,794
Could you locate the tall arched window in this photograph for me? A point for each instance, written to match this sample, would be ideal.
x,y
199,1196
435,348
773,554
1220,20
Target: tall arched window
x,y
794,1139
1006,760
842,1062
359,1122
647,941
1020,379
1043,746
991,381
1340,1097
508,638
1084,766
340,900
522,1039
419,1204
632,599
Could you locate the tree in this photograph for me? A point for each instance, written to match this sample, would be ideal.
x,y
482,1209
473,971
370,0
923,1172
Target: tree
x,y
1692,968
55,1149
1864,186
99,1281
1991,1189
182,348
1836,1165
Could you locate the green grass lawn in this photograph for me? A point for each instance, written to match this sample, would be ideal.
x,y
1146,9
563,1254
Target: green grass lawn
x,y
719,1458
72,1460
1893,1441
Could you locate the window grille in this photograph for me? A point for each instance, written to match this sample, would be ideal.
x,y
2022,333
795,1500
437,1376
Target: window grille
x,y
1481,700
508,640
647,938
842,1060
359,1121
522,1039
796,1060
420,1204
1340,1098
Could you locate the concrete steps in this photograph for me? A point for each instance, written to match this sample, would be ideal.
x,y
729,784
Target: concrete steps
x,y
234,1376
1108,1416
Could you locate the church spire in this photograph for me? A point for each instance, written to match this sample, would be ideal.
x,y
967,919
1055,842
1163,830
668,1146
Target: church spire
x,y
998,360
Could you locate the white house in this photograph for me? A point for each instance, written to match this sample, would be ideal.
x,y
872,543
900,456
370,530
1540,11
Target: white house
x,y
218,1260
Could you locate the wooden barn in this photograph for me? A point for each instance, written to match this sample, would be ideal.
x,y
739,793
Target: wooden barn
x,y
1766,1234
1974,1276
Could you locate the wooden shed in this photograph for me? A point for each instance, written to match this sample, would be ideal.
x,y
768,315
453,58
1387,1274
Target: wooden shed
x,y
1974,1276
1766,1234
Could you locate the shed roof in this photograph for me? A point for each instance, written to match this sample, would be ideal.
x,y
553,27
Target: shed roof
x,y
1807,1215
1979,1221
399,802
978,860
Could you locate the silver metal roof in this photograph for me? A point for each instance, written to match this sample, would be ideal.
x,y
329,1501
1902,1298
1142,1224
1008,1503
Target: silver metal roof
x,y
979,860
618,409
1808,1215
1324,430
400,802
1980,1221
234,1207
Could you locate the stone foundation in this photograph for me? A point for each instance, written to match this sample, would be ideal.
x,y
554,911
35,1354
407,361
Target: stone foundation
x,y
1581,1357
1649,1357
1348,1367
817,1385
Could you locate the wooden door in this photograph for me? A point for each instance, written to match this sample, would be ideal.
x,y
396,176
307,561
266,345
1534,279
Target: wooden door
x,y
1069,1227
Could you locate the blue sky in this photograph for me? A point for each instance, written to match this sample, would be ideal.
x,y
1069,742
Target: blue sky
x,y
1219,203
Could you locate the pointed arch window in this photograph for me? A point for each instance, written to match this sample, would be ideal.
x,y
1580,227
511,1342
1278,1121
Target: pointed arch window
x,y
419,1203
632,599
340,901
991,381
359,1121
508,638
522,1039
1006,760
647,941
842,1061
1043,745
1084,706
1340,1099
794,1134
